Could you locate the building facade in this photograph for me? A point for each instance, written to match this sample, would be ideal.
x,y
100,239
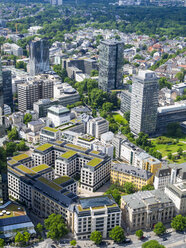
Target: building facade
x,y
2,126
144,103
110,65
99,213
58,115
122,173
142,210
97,126
125,101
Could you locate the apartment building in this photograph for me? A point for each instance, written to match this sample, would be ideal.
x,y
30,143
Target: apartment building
x,y
177,193
68,183
24,159
97,126
142,210
121,173
49,134
38,87
99,213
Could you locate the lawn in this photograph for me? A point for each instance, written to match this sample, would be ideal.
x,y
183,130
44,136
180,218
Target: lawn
x,y
120,119
165,148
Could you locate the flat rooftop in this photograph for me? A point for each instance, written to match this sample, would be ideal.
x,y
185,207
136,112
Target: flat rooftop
x,y
96,201
44,147
20,157
40,168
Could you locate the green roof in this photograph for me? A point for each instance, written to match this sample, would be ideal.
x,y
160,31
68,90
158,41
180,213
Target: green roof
x,y
50,129
77,147
61,180
12,162
51,184
20,157
95,152
94,162
25,169
40,167
44,147
68,154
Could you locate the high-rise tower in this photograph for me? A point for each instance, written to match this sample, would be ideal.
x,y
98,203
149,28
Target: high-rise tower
x,y
110,64
39,56
144,102
2,127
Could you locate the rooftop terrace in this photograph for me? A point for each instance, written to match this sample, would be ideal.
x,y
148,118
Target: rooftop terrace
x,y
50,129
94,162
68,154
51,184
40,167
61,180
20,157
44,147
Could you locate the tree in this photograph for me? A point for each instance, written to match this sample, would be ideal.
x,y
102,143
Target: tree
x,y
22,146
117,234
147,187
39,228
115,194
180,151
179,223
11,147
180,76
164,83
152,244
159,228
127,115
55,226
94,73
19,238
107,106
27,118
139,233
21,65
169,155
27,237
13,134
96,236
2,243
129,187
73,242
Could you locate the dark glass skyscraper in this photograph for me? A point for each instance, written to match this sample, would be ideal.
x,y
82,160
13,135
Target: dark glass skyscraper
x,y
2,128
110,64
39,56
7,88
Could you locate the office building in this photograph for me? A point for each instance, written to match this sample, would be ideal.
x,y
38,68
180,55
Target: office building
x,y
125,101
39,56
3,185
58,115
49,134
99,213
97,126
144,103
13,49
110,65
42,105
137,157
177,193
40,87
65,94
144,209
7,88
2,127
122,173
170,114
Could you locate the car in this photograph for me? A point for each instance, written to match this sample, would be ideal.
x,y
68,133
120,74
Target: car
x,y
164,238
127,240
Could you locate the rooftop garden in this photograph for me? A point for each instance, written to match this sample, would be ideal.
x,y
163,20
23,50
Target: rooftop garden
x,y
12,162
94,162
68,154
61,180
40,167
77,147
95,152
50,129
49,183
87,138
44,147
25,169
14,209
20,157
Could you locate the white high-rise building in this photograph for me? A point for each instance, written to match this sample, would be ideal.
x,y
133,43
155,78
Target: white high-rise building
x,y
97,126
144,102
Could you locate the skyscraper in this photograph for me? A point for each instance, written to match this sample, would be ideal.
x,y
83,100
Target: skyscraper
x,y
144,102
7,87
39,56
110,64
2,128
3,184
